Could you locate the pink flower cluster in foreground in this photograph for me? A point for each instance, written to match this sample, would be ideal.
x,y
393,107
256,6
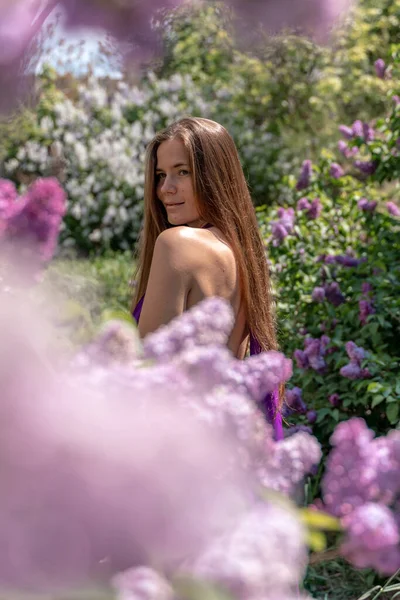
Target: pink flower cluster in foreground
x,y
29,225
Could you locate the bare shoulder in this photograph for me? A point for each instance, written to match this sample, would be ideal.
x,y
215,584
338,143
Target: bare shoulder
x,y
190,243
176,236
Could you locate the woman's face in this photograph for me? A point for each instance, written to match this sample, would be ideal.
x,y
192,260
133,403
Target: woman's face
x,y
175,184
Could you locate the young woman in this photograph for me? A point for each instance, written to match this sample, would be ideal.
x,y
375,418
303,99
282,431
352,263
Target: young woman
x,y
201,238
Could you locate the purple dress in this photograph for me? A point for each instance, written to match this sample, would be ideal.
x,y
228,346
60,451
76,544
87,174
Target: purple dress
x,y
269,405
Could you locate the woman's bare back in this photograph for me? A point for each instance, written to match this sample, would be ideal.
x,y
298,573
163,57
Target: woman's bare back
x,y
193,264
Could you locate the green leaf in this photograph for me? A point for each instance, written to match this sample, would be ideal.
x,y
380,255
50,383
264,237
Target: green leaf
x,y
374,387
377,400
392,413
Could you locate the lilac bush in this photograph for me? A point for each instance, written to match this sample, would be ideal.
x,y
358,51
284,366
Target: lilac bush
x,y
337,277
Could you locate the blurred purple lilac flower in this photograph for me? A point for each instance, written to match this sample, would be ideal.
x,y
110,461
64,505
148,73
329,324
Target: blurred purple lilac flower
x,y
294,401
368,133
354,352
303,204
345,150
314,349
335,400
336,171
367,205
301,359
366,287
366,308
286,218
380,68
8,195
266,546
305,175
281,229
347,261
333,294
292,429
351,466
396,100
290,460
346,131
393,209
358,129
142,583
372,538
209,323
279,232
351,371
33,222
367,167
360,486
311,416
318,294
315,209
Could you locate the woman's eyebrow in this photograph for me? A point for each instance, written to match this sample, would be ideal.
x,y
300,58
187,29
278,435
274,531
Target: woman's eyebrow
x,y
174,166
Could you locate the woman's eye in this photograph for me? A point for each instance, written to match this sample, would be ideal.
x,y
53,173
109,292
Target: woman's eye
x,y
183,172
160,176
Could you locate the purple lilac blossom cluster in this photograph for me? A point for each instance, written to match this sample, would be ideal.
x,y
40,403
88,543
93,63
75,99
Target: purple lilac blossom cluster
x,y
366,303
312,209
284,226
305,175
29,225
393,209
366,205
362,487
354,369
329,291
313,354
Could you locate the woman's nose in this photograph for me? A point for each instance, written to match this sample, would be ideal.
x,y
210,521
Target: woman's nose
x,y
168,185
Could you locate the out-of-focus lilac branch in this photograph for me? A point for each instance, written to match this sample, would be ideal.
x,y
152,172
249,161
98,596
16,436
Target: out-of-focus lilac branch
x,y
130,21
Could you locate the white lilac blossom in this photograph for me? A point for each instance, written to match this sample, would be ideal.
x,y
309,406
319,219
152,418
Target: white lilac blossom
x,y
103,161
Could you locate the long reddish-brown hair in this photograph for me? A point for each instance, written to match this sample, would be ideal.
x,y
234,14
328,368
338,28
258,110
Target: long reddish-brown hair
x,y
223,200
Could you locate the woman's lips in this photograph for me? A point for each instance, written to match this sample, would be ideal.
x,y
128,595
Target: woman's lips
x,y
168,206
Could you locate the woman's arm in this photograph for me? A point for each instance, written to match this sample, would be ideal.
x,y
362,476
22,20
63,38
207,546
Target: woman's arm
x,y
169,280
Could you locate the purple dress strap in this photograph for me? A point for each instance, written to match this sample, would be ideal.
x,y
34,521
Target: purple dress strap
x,y
270,403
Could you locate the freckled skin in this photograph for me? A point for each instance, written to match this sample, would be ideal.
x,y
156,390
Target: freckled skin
x,y
189,263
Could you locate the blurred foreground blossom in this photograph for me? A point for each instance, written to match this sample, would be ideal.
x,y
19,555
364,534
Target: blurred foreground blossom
x,y
29,226
109,456
360,486
130,22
